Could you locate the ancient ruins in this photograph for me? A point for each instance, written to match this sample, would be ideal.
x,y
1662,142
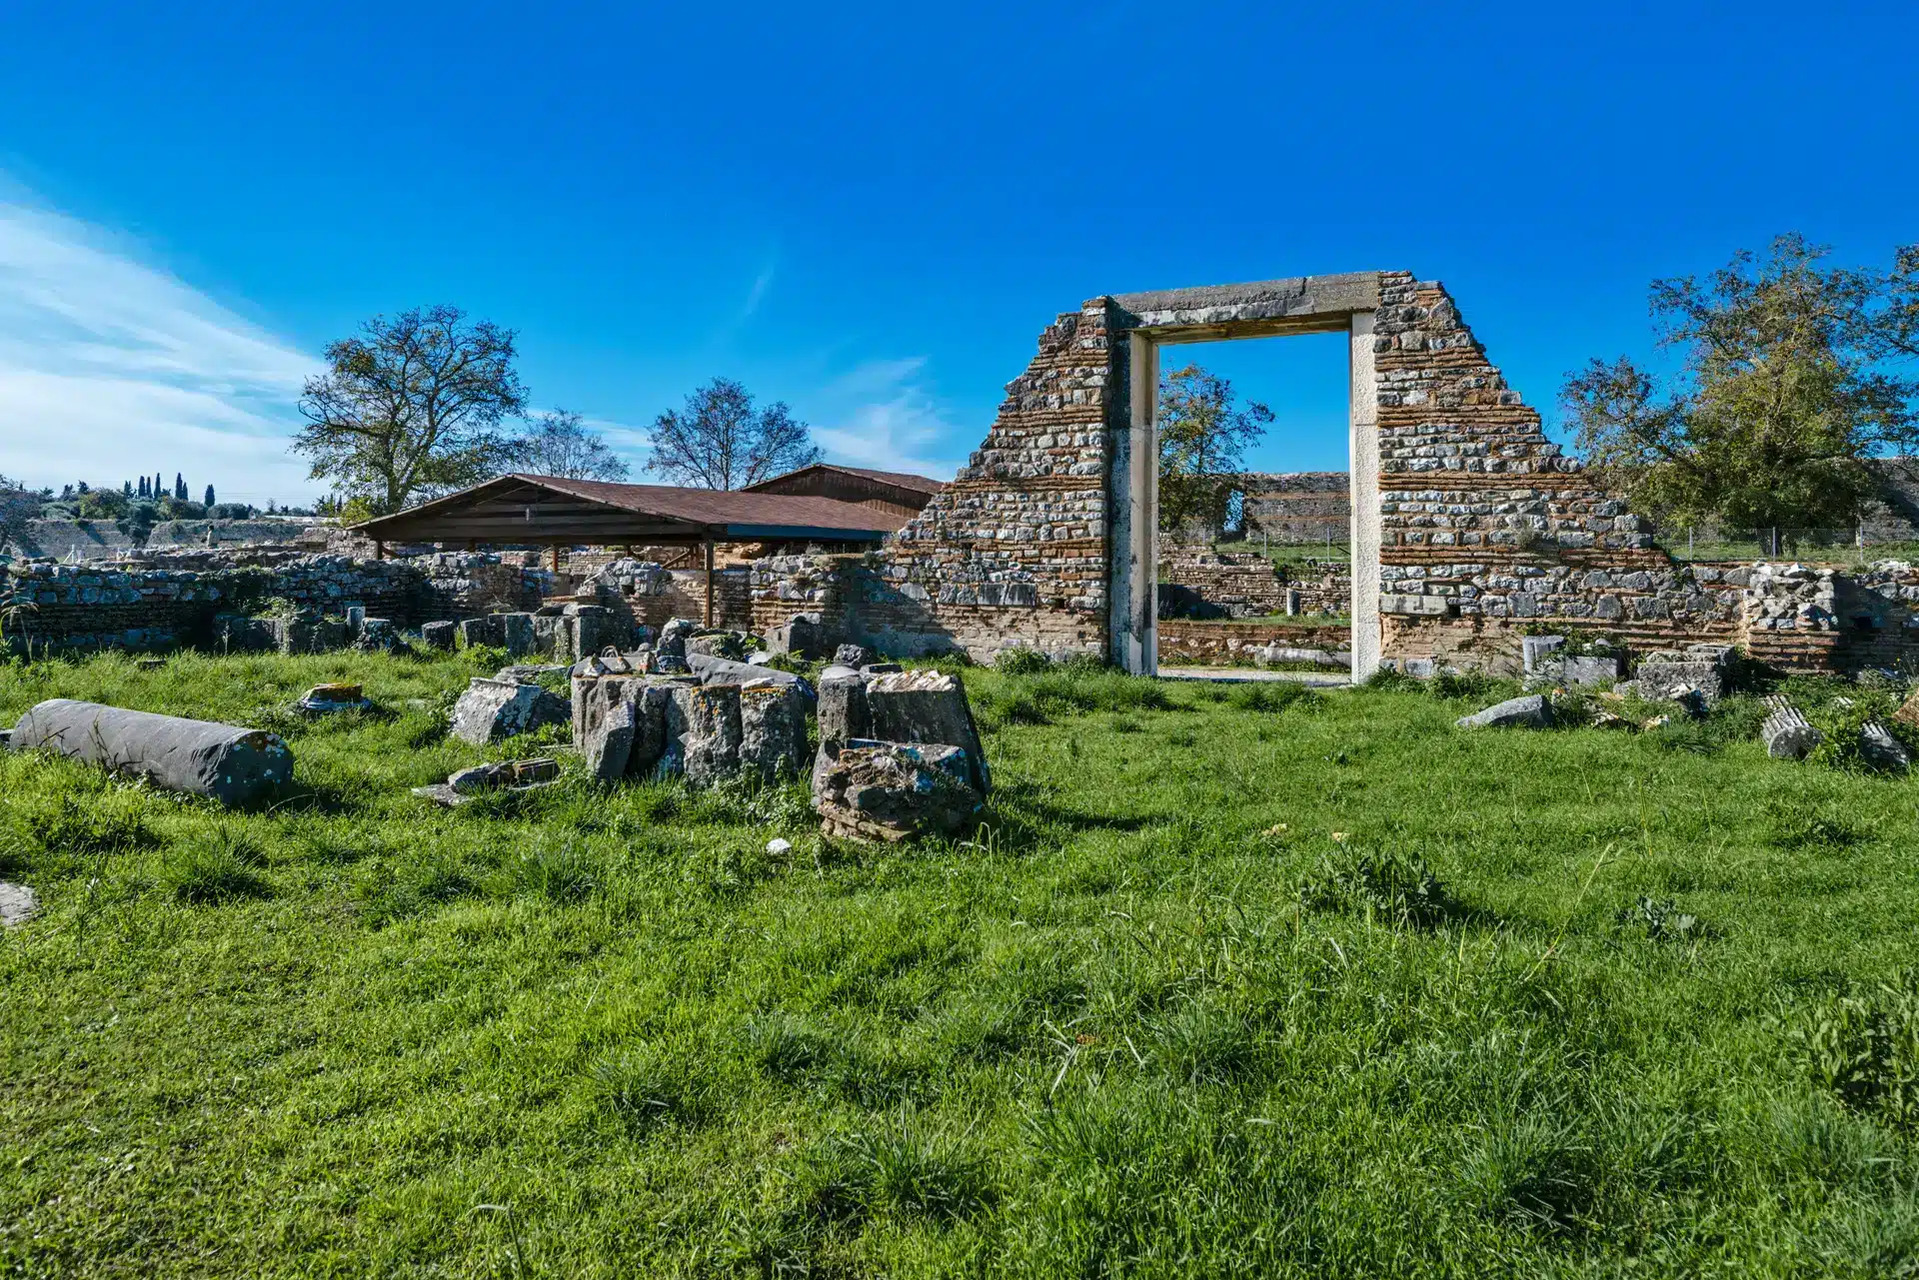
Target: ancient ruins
x,y
1468,528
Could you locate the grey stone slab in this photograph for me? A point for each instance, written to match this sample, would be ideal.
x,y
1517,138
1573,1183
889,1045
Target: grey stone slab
x,y
1529,712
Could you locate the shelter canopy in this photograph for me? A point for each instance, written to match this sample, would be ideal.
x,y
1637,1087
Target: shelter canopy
x,y
550,510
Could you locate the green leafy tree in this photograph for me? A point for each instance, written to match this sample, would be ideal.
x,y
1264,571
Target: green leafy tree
x,y
1787,387
561,444
411,408
719,440
1203,436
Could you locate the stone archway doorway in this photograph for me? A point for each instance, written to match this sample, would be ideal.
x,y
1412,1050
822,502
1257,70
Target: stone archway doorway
x,y
1224,313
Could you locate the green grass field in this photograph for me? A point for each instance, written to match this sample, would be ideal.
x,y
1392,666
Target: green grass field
x,y
1234,981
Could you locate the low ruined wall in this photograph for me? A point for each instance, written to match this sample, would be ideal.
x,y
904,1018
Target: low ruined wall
x,y
1184,643
70,540
1298,507
66,607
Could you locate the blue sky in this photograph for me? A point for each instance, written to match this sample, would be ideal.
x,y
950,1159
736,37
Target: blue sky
x,y
872,211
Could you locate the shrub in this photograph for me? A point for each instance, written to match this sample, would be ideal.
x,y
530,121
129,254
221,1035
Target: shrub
x,y
1021,662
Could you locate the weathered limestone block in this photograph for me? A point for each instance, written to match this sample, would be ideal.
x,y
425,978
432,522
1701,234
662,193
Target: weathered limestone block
x,y
703,733
608,742
1529,712
1538,650
628,706
713,670
493,709
926,706
309,635
233,633
673,638
893,791
489,630
438,635
378,635
773,729
842,717
229,763
801,636
1701,668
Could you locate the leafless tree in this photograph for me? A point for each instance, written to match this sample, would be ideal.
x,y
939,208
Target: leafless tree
x,y
720,441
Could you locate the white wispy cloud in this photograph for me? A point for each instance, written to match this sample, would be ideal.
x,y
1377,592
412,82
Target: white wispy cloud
x,y
884,416
110,367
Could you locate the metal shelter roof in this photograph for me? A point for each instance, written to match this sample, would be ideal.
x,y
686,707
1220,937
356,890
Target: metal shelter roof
x,y
551,509
898,479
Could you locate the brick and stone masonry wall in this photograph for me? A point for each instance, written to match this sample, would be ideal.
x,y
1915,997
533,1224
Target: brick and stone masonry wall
x,y
90,607
1212,644
1013,552
1487,525
1298,507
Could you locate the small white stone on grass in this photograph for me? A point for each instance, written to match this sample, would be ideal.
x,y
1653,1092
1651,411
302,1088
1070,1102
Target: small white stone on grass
x,y
777,846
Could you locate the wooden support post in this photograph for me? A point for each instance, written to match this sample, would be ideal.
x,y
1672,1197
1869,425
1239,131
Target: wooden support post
x,y
709,582
556,559
379,549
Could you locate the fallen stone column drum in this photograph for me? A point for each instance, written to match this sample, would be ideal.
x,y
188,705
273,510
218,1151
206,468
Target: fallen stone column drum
x,y
229,763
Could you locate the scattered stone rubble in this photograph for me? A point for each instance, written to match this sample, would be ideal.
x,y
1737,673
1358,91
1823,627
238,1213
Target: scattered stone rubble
x,y
1702,671
462,786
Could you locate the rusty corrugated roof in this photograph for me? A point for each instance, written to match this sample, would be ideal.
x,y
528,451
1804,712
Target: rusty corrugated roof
x,y
901,479
728,514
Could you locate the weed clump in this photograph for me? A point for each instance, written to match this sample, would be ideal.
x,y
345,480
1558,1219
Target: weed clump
x,y
1021,662
1660,919
1398,886
850,1177
1864,1050
216,870
645,1087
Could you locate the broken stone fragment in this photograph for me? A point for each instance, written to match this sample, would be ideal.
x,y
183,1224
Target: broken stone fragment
x,y
1788,735
892,791
1529,712
323,698
853,655
493,709
802,636
1881,750
438,635
17,904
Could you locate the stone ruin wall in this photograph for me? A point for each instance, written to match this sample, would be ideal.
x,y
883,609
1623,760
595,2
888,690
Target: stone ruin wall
x,y
1297,507
173,600
1014,549
1487,528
